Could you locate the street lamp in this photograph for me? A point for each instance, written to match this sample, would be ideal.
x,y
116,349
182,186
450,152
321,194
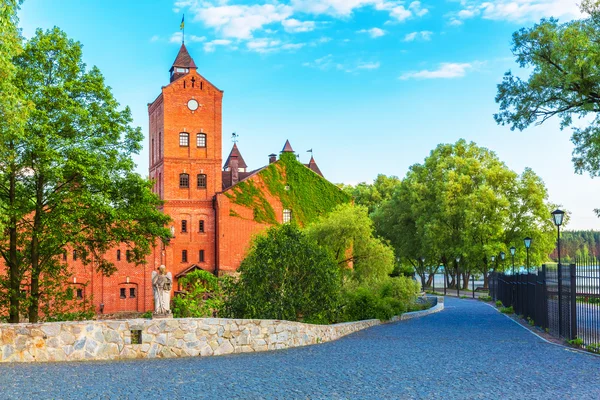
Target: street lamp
x,y
502,257
558,216
422,260
527,241
458,276
513,250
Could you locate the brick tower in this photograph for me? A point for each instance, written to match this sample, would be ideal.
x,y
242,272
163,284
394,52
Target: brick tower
x,y
185,162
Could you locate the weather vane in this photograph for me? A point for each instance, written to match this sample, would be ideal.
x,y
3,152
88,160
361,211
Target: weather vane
x,y
234,137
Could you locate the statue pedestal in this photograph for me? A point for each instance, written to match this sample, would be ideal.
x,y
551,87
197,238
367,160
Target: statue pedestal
x,y
161,315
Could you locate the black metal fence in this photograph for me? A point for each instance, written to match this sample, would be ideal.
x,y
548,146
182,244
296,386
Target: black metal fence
x,y
562,299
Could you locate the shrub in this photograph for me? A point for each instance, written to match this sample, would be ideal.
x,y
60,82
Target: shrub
x,y
499,303
485,298
286,276
577,342
507,310
202,296
389,298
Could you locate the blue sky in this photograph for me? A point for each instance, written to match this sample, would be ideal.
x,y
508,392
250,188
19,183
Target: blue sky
x,y
370,85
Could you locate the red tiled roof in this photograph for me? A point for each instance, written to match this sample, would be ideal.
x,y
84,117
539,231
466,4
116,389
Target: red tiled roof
x,y
312,165
183,59
235,152
287,148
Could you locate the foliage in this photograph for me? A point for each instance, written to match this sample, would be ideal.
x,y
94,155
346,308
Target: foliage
x,y
71,183
71,316
202,296
499,303
577,342
373,195
301,190
287,276
564,60
507,310
347,232
593,347
578,244
486,298
146,315
383,300
463,201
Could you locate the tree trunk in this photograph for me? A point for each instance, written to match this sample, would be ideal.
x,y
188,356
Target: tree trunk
x,y
465,282
13,261
486,279
36,268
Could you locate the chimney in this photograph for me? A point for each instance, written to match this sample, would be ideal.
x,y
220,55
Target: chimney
x,y
233,166
272,158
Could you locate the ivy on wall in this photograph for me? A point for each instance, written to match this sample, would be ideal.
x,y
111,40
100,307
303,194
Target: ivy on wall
x,y
300,189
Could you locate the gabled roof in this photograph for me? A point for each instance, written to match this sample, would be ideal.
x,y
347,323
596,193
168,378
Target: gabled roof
x,y
312,165
183,59
186,271
235,152
287,148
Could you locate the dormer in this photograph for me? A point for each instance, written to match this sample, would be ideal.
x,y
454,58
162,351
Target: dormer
x,y
182,65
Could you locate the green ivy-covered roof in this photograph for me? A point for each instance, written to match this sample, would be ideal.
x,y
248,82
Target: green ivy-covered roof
x,y
300,189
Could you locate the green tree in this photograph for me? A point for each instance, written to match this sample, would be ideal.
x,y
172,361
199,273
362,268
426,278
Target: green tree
x,y
348,233
13,114
564,82
373,195
74,186
286,276
202,296
463,201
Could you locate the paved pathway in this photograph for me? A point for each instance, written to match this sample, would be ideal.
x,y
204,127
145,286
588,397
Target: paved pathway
x,y
468,351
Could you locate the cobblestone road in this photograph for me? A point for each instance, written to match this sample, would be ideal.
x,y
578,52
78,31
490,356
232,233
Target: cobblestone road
x,y
468,351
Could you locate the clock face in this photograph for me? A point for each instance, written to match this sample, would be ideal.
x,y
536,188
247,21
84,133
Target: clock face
x,y
192,105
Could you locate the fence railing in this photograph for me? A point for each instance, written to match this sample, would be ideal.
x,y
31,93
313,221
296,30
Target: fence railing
x,y
562,299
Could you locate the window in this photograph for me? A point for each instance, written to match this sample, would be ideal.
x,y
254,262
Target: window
x,y
183,255
64,255
123,292
287,216
79,293
201,140
74,255
201,256
184,181
118,255
201,226
184,139
132,292
184,226
201,181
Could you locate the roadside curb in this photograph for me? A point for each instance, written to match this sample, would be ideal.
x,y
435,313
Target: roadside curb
x,y
439,306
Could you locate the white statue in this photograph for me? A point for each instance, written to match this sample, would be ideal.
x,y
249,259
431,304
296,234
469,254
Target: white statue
x,y
162,281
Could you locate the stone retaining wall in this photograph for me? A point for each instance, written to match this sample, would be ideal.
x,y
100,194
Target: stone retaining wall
x,y
166,338
115,340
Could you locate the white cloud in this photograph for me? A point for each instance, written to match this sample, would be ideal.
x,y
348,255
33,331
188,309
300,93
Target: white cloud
x,y
373,32
293,25
240,21
515,10
293,46
213,44
424,35
445,71
323,63
263,45
339,8
368,65
176,38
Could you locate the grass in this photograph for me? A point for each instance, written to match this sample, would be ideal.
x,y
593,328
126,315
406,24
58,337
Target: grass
x,y
507,310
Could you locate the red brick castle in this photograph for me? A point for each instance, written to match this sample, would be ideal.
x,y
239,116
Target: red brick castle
x,y
215,210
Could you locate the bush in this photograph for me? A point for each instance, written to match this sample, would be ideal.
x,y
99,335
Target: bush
x,y
507,310
389,298
499,303
485,298
286,276
202,296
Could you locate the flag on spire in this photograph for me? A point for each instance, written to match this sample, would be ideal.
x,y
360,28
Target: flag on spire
x,y
181,26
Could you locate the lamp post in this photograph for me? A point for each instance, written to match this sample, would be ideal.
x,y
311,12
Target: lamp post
x,y
527,241
502,257
458,276
493,261
422,261
513,250
557,216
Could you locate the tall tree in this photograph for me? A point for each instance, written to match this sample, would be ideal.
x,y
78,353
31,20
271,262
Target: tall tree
x,y
564,82
463,201
76,182
372,195
13,114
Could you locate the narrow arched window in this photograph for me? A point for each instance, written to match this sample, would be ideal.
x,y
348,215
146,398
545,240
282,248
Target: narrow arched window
x,y
184,139
201,181
201,140
184,181
118,255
